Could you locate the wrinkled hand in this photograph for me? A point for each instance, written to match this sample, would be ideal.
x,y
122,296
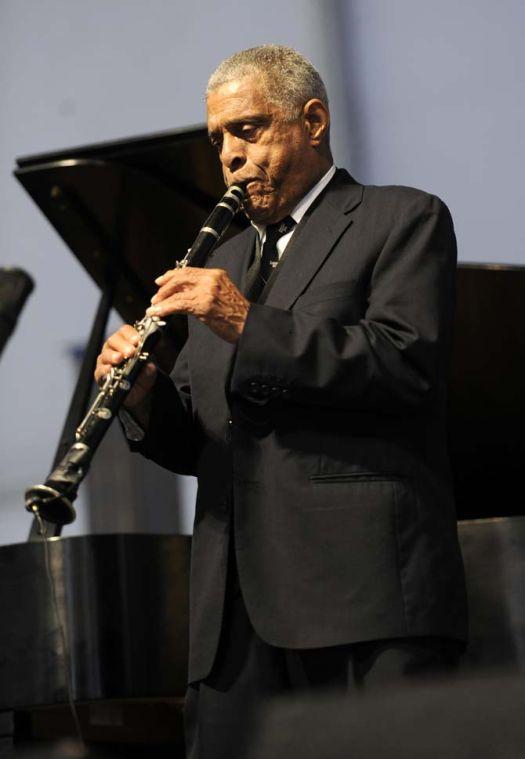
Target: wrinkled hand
x,y
207,294
121,345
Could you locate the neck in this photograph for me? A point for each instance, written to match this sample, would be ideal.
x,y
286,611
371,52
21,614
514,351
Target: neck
x,y
316,175
322,167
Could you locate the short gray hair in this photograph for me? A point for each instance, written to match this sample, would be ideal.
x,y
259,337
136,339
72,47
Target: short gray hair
x,y
288,79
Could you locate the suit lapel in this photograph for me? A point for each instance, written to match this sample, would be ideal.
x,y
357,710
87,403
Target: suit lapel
x,y
313,240
239,254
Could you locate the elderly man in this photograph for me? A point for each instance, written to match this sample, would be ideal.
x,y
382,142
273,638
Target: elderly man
x,y
309,401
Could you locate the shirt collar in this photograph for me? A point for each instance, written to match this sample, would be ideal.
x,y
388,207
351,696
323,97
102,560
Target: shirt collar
x,y
302,207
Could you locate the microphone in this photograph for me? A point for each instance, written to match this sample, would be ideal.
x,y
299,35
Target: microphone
x,y
15,286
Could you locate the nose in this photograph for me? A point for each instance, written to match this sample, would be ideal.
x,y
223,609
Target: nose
x,y
232,152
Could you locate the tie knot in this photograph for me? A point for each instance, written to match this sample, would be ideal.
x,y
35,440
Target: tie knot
x,y
275,231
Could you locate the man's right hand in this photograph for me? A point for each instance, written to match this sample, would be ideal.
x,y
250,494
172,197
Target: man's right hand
x,y
120,345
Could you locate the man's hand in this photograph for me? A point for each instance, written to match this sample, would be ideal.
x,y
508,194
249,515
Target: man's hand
x,y
207,294
119,346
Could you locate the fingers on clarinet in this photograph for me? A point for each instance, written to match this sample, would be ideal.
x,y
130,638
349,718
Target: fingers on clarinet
x,y
163,277
111,355
130,334
166,289
118,344
101,371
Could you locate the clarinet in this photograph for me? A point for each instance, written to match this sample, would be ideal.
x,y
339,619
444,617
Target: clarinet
x,y
53,500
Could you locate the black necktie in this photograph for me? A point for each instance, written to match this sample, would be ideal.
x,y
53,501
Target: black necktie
x,y
269,255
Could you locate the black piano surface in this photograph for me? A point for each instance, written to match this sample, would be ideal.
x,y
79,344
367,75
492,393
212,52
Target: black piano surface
x,y
123,600
486,415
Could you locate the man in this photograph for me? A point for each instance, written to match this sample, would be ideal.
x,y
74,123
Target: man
x,y
309,401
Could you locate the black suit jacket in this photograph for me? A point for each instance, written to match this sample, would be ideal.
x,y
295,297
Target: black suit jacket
x,y
321,435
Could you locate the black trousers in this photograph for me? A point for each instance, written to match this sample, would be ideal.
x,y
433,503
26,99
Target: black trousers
x,y
247,672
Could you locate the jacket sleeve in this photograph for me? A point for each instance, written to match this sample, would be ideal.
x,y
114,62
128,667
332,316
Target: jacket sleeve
x,y
170,438
393,359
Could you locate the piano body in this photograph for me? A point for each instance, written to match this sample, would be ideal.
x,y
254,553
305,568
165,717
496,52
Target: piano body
x,y
123,598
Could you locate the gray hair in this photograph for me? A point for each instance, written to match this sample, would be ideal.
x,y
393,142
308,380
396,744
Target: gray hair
x,y
287,78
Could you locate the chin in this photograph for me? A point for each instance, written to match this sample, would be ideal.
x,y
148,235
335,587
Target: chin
x,y
260,213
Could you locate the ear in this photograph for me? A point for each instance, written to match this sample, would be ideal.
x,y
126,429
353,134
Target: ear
x,y
316,121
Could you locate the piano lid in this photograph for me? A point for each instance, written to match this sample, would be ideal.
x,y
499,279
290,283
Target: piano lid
x,y
128,209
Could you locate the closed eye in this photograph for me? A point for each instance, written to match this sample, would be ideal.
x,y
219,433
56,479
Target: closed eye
x,y
249,131
245,130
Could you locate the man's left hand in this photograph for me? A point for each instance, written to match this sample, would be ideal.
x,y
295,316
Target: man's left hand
x,y
207,294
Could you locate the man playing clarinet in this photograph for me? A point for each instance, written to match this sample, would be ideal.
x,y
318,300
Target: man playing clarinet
x,y
309,400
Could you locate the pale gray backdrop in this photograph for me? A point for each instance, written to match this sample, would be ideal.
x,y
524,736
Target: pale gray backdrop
x,y
428,94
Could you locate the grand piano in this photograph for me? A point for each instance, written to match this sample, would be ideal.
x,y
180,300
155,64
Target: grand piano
x,y
122,599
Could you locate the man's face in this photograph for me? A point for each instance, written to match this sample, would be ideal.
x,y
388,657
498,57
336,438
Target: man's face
x,y
256,146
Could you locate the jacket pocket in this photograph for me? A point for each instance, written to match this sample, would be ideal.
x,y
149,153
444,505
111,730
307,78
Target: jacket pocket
x,y
333,477
345,289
